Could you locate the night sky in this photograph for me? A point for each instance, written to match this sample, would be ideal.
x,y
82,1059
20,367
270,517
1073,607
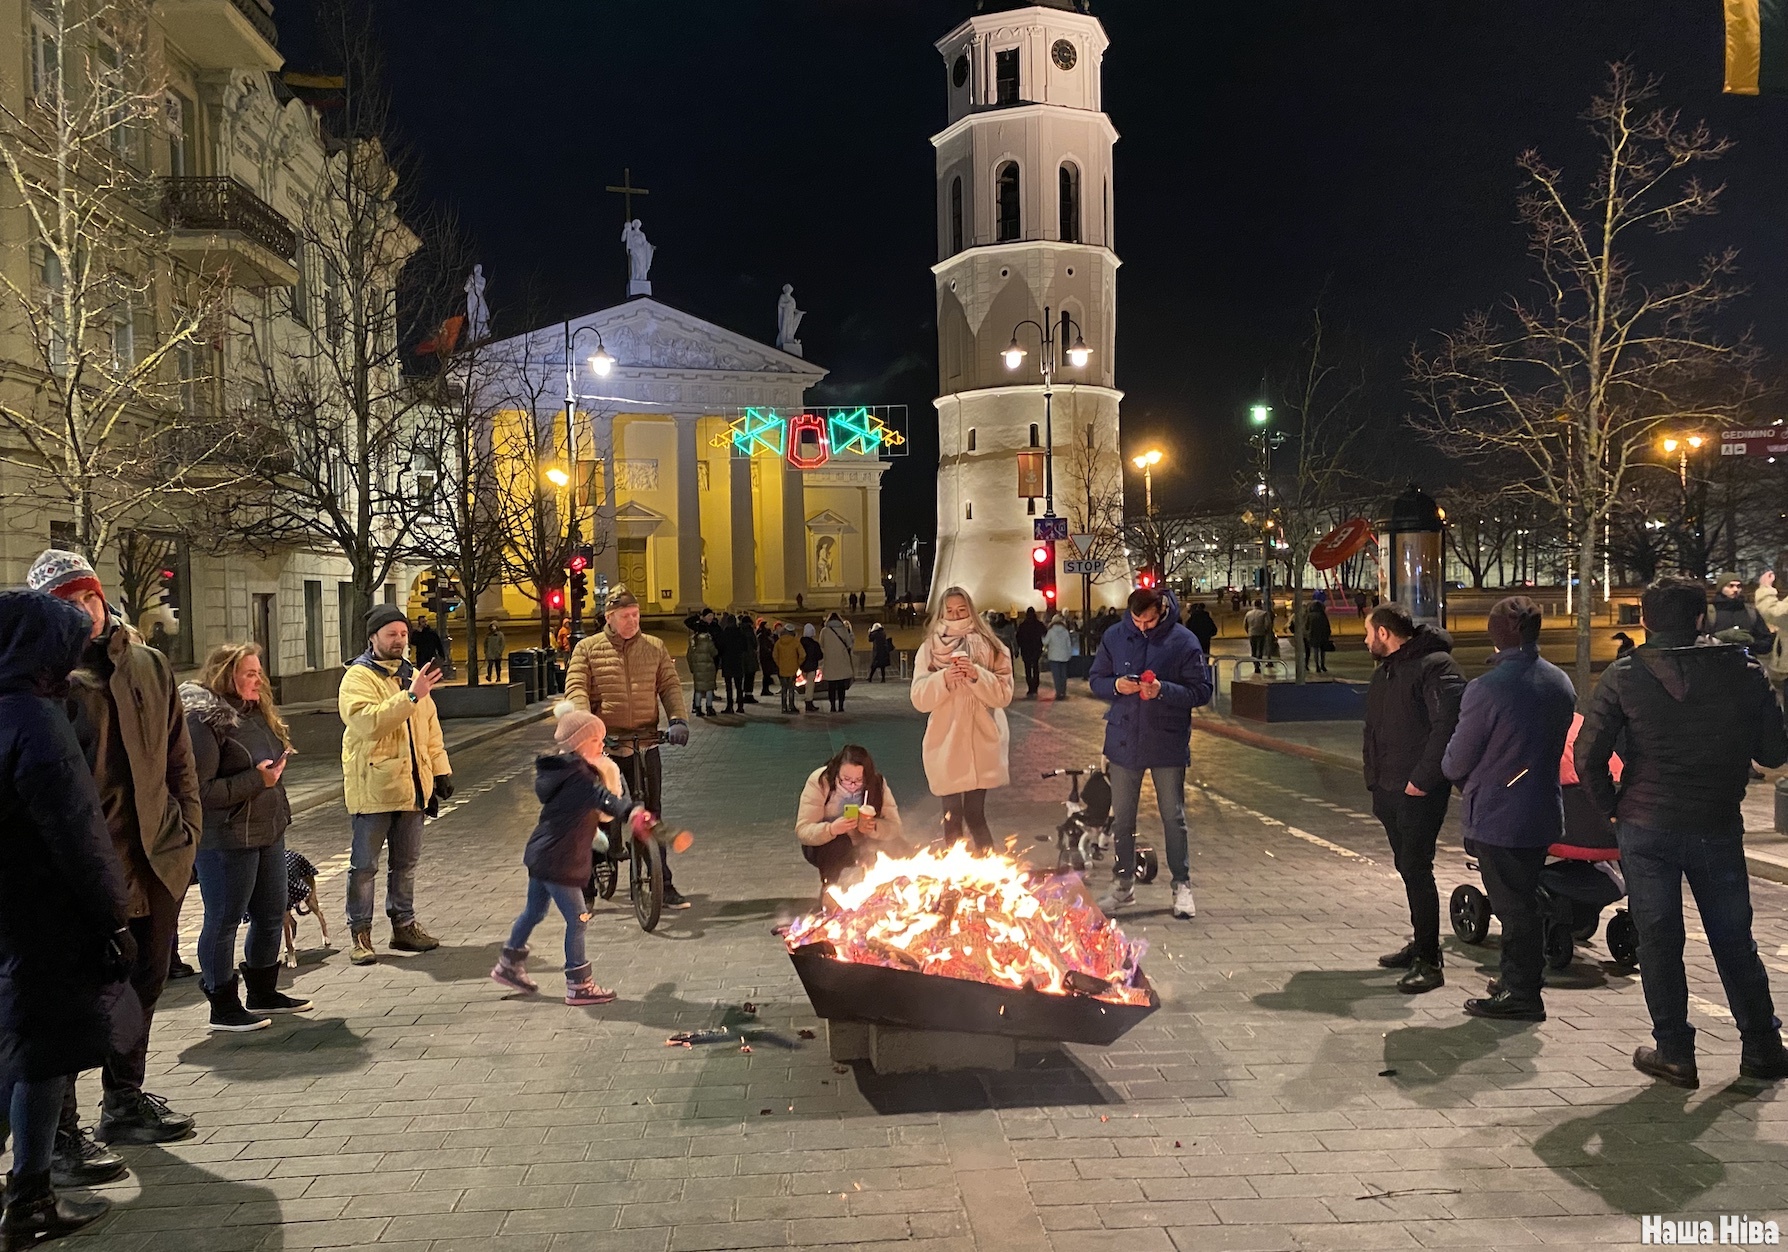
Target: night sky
x,y
1269,152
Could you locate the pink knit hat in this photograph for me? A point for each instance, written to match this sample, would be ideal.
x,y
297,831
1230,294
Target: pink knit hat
x,y
576,727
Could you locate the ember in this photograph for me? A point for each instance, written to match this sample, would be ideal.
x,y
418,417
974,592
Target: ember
x,y
956,914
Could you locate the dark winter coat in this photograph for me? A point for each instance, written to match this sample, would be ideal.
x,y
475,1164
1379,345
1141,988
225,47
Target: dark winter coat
x,y
229,739
1412,706
573,802
1030,635
428,645
737,650
1734,613
1318,633
881,648
811,656
1688,722
1140,733
1504,753
766,649
1200,622
62,894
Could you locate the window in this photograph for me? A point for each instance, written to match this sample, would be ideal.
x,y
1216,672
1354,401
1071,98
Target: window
x,y
971,439
46,57
332,322
123,334
313,625
1006,198
589,484
390,593
345,624
1106,209
301,289
1005,76
177,116
1069,197
968,511
186,362
113,101
955,215
1034,441
1030,506
62,535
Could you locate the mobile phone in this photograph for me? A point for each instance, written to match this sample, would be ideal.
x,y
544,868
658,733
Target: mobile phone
x,y
852,812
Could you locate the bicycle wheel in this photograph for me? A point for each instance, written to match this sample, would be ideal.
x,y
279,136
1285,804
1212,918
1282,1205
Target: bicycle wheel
x,y
607,875
647,882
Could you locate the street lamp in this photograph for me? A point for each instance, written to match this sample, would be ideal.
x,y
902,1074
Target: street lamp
x,y
1683,445
601,364
1146,462
1077,353
1260,416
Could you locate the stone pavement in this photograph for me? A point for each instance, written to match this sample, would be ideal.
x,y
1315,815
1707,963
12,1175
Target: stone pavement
x,y
1284,1096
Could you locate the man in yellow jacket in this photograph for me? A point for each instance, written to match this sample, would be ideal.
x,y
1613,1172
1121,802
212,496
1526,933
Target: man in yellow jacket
x,y
395,770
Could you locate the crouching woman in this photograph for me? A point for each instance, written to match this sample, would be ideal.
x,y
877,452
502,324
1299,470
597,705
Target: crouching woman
x,y
847,813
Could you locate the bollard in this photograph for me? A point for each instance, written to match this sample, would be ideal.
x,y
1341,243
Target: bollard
x,y
1782,805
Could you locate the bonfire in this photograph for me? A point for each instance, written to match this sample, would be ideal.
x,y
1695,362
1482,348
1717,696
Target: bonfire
x,y
985,918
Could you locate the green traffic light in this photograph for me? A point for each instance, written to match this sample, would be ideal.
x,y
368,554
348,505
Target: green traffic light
x,y
1260,415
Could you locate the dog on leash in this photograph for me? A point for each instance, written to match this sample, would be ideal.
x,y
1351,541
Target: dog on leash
x,y
301,898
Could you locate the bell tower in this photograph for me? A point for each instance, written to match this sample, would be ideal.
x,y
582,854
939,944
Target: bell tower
x,y
1024,227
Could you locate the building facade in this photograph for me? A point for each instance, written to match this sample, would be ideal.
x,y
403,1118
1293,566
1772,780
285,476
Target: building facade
x,y
1024,223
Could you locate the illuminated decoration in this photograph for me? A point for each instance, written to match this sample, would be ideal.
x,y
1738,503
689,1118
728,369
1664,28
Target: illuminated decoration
x,y
808,444
859,430
753,431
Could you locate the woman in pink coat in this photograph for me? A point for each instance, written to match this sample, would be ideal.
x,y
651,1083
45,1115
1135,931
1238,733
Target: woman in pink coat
x,y
962,679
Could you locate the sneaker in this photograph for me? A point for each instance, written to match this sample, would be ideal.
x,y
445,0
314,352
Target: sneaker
x,y
1423,975
140,1117
362,952
1400,959
227,1013
1183,904
1503,1006
410,937
1121,896
80,1162
673,899
261,993
1647,1061
511,970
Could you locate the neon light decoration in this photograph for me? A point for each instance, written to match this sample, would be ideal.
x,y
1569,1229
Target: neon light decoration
x,y
810,439
808,445
859,430
754,430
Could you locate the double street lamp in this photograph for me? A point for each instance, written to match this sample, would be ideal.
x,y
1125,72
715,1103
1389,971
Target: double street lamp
x,y
601,364
1146,462
1077,353
1265,440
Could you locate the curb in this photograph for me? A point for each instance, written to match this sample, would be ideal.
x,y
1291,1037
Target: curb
x,y
333,794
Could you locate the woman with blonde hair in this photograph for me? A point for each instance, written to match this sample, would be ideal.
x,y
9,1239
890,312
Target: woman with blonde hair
x,y
962,681
240,745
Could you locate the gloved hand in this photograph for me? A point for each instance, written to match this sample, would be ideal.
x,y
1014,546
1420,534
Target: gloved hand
x,y
120,954
443,786
677,733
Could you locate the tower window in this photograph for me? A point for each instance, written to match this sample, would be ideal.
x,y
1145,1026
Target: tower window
x,y
968,511
1107,214
1005,76
1030,506
1007,199
971,439
1034,441
1069,197
955,215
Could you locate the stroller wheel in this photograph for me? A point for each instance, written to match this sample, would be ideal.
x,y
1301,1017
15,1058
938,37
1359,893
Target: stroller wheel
x,y
1623,940
1470,912
1148,865
1560,947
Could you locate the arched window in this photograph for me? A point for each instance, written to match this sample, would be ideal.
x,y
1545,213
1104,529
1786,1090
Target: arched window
x,y
1034,442
1007,199
971,439
955,215
1107,214
1069,197
968,511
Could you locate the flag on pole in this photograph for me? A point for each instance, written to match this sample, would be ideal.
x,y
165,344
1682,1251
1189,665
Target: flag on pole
x,y
1756,47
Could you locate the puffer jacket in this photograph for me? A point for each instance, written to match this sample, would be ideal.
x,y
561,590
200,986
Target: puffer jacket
x,y
61,892
391,746
787,654
229,740
820,806
704,661
967,741
120,677
1688,720
1412,706
837,643
573,802
1142,733
1513,723
1772,607
625,681
1058,644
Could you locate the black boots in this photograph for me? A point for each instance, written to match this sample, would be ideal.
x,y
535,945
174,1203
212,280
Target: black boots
x,y
35,1213
227,1013
264,995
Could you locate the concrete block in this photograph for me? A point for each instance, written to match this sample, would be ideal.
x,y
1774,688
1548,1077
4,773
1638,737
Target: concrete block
x,y
897,1050
849,1041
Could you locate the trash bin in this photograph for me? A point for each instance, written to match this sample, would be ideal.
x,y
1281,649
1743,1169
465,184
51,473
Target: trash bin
x,y
521,670
1629,615
548,675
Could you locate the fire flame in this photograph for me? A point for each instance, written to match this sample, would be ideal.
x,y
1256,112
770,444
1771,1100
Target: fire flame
x,y
959,914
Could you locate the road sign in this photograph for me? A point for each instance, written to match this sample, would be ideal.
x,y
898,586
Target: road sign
x,y
1759,441
1083,567
1044,528
1083,544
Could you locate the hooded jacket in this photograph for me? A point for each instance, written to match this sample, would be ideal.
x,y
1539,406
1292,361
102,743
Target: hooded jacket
x,y
61,892
1058,644
967,741
1200,622
786,652
391,746
1142,733
573,802
1412,706
229,740
1772,607
837,643
1689,720
1030,635
704,660
1504,753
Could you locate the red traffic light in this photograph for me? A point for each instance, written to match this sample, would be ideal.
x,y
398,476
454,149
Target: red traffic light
x,y
1145,577
1041,554
555,598
577,564
1049,594
167,575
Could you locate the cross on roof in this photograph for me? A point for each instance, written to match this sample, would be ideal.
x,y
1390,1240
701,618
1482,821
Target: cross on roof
x,y
627,191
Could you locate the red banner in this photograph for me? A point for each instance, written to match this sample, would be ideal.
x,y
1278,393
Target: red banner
x,y
1030,474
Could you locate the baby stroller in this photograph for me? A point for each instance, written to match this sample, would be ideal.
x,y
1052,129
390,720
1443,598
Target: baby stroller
x,y
1085,834
1581,878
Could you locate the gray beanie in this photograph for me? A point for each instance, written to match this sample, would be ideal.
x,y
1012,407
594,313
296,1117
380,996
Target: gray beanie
x,y
381,616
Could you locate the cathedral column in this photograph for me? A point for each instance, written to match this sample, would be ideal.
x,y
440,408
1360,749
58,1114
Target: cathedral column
x,y
744,541
689,517
608,557
794,533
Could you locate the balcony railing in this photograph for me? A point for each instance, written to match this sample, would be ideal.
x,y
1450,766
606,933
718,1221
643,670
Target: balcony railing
x,y
260,17
225,204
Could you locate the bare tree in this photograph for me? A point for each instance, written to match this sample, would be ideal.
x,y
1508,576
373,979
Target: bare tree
x,y
1597,358
107,319
142,559
1091,475
1480,527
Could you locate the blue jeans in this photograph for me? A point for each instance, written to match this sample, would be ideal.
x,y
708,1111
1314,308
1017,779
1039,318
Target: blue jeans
x,y
1059,671
1170,796
234,881
373,831
571,905
1655,863
33,1110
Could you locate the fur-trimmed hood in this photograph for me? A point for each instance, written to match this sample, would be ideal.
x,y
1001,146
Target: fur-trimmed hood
x,y
209,707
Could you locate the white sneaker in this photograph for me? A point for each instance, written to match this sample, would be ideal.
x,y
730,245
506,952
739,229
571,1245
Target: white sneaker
x,y
1121,895
1183,905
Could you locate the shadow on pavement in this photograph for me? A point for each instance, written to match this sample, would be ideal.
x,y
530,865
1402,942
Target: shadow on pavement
x,y
242,1215
305,1046
1640,1156
1425,1056
1042,1080
1334,992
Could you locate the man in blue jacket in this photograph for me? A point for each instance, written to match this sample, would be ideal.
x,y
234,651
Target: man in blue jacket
x,y
1504,755
1154,673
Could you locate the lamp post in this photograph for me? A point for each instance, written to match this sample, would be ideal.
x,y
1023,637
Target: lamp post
x,y
1077,354
1694,507
600,365
1265,440
1146,462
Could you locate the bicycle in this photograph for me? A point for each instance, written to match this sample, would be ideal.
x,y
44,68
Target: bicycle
x,y
1085,834
645,857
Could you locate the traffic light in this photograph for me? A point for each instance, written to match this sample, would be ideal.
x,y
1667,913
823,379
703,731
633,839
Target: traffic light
x,y
450,597
555,599
429,586
165,585
579,587
1043,569
582,557
1145,577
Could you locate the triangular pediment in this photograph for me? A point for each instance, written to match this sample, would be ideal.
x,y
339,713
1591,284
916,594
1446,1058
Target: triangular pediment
x,y
646,334
826,522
